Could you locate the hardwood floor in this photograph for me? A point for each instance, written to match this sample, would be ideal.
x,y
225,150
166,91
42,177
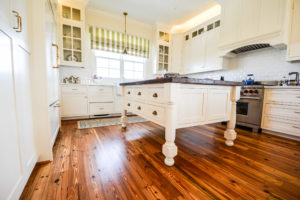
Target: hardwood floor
x,y
108,163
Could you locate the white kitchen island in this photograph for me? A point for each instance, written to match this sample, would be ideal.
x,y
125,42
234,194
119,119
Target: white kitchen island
x,y
182,102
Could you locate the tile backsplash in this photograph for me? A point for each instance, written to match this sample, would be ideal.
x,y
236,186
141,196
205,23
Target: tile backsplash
x,y
266,65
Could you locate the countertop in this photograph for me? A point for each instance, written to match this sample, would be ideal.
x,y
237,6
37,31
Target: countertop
x,y
88,84
283,87
184,81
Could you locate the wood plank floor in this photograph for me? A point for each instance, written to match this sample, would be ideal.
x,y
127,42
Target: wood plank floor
x,y
108,163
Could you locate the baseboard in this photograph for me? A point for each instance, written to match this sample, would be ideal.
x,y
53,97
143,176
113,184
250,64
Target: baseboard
x,y
292,137
20,185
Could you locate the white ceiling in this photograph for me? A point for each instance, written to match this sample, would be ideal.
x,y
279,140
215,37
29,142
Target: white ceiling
x,y
152,11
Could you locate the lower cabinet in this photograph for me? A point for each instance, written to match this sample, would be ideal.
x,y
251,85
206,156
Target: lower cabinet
x,y
281,112
54,121
84,100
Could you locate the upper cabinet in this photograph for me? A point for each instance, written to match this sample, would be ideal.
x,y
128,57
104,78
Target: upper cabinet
x,y
247,22
72,35
162,52
200,48
293,52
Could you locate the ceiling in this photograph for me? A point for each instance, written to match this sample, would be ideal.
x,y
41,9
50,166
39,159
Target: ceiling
x,y
154,11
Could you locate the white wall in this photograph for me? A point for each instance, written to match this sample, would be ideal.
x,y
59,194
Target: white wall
x,y
266,65
114,22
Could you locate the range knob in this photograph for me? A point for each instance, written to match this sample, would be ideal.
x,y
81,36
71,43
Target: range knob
x,y
256,91
250,91
246,91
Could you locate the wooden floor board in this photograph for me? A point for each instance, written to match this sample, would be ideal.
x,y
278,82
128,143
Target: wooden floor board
x,y
110,163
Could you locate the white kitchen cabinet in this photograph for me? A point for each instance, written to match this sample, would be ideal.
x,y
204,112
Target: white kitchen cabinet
x,y
54,121
162,51
249,22
281,111
72,34
293,52
200,48
74,101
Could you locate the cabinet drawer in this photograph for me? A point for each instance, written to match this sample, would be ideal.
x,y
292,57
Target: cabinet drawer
x,y
101,98
129,92
283,95
74,89
140,93
156,113
292,112
130,106
139,108
282,125
100,108
98,90
156,94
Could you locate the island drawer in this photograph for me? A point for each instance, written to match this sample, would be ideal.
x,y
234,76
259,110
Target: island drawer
x,y
156,94
156,113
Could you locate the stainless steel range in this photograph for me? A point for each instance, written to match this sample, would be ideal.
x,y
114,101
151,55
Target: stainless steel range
x,y
249,107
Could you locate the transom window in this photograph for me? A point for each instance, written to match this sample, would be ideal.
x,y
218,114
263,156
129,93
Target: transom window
x,y
119,66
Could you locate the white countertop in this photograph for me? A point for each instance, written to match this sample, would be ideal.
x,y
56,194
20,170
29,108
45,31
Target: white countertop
x,y
283,87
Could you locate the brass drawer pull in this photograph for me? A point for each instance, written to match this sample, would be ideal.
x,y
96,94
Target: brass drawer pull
x,y
128,104
74,89
128,92
56,106
297,112
101,108
139,93
298,97
154,113
155,95
19,26
297,127
139,108
57,55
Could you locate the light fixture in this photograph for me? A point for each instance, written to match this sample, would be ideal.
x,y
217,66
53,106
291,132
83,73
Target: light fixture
x,y
125,39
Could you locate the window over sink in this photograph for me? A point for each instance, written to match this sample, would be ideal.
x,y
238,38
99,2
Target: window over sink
x,y
119,66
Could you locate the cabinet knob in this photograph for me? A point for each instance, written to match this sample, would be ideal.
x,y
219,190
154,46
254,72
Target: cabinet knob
x,y
128,92
155,95
128,104
139,108
139,93
154,113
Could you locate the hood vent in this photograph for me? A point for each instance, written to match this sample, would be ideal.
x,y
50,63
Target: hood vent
x,y
250,48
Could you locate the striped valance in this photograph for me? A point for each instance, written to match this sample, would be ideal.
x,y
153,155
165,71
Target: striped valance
x,y
107,40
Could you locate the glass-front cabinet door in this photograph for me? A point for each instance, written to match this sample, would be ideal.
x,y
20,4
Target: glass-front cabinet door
x,y
72,45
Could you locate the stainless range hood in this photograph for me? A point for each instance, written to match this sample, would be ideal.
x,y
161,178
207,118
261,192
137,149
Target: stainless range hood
x,y
251,47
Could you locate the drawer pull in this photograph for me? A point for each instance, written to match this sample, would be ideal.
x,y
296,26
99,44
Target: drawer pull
x,y
154,113
101,108
155,95
128,104
74,89
139,93
128,92
298,97
297,112
139,108
297,127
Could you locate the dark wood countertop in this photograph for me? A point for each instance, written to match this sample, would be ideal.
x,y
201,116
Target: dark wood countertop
x,y
184,81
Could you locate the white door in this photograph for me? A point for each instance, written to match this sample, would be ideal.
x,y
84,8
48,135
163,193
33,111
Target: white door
x,y
5,12
10,169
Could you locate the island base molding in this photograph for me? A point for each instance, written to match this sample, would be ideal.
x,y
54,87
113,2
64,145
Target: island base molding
x,y
176,105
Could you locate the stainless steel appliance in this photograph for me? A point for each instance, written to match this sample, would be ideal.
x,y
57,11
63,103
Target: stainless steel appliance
x,y
249,107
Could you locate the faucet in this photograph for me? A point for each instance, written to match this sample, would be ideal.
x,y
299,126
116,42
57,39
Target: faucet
x,y
297,77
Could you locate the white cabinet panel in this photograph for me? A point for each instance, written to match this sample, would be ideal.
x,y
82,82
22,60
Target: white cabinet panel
x,y
293,53
212,59
249,18
74,105
10,170
54,121
216,109
100,108
5,12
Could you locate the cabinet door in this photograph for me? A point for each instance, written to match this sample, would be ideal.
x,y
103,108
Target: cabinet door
x,y
294,40
10,170
249,18
271,16
51,53
21,6
212,61
74,105
54,121
5,12
230,21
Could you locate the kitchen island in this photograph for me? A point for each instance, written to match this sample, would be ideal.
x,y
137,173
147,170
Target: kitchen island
x,y
182,102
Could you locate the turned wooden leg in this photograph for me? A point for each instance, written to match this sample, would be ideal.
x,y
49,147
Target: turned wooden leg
x,y
230,133
124,118
169,148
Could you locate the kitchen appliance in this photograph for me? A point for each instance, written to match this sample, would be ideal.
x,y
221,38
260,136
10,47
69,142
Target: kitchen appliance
x,y
249,107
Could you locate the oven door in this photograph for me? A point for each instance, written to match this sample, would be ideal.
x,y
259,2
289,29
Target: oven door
x,y
249,111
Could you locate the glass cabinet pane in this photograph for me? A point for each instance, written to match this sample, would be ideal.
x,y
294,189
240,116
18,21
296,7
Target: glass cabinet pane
x,y
67,55
161,58
76,14
76,44
67,43
167,37
67,30
77,56
160,67
66,12
161,49
76,32
166,50
166,67
166,60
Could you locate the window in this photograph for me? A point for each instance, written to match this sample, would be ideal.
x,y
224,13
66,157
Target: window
x,y
119,66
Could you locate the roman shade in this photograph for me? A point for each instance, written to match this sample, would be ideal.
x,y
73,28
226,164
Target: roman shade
x,y
108,40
